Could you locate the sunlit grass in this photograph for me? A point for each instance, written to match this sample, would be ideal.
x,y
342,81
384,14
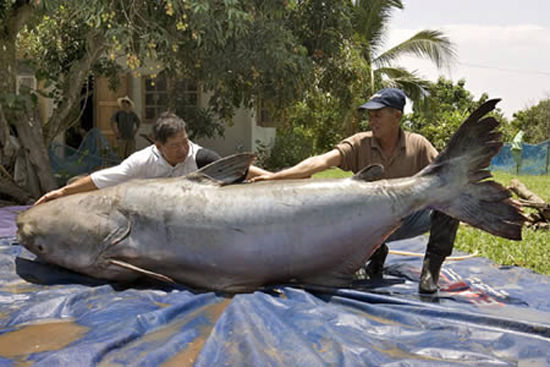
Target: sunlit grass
x,y
532,252
332,173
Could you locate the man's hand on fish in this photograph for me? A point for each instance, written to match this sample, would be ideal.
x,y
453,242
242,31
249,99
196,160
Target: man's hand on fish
x,y
55,194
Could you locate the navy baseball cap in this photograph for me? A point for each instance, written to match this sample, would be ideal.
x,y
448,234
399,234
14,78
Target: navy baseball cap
x,y
387,97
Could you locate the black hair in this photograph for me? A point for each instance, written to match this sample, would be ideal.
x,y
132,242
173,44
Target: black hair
x,y
167,125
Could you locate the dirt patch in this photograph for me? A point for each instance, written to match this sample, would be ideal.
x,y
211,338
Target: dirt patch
x,y
40,337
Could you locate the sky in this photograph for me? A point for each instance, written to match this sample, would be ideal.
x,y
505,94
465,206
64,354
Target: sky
x,y
502,46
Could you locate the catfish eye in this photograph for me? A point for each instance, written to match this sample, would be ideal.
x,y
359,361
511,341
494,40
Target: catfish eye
x,y
40,248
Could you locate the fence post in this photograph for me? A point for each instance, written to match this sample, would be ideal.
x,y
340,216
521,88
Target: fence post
x,y
547,156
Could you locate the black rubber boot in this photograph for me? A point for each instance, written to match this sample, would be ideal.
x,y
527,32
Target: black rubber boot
x,y
440,245
430,273
375,266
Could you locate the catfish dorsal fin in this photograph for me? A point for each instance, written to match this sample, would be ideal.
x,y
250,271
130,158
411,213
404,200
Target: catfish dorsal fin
x,y
201,178
224,171
370,173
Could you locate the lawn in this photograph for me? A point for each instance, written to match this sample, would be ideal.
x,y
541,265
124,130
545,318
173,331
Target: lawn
x,y
532,252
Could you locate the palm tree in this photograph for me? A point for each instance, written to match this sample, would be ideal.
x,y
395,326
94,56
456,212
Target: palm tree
x,y
371,19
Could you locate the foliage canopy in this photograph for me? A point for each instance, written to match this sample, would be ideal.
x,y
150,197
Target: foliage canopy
x,y
308,62
534,121
445,109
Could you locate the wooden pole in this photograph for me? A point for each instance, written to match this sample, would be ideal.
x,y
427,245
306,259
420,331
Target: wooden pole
x,y
547,156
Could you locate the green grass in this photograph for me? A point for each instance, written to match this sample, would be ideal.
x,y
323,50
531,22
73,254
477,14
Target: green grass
x,y
332,173
532,252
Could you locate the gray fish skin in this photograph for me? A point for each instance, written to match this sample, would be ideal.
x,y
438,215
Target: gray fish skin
x,y
236,238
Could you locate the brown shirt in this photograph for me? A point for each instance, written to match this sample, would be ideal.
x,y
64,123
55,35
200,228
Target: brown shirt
x,y
413,152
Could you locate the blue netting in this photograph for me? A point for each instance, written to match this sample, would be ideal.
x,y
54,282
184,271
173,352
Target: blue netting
x,y
93,153
531,159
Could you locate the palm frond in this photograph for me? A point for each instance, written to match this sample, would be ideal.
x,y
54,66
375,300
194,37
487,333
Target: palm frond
x,y
431,44
371,19
415,87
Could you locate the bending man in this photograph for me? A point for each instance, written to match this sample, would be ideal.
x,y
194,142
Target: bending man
x,y
402,154
172,155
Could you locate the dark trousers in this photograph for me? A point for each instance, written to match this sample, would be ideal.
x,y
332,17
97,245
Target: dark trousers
x,y
126,147
442,230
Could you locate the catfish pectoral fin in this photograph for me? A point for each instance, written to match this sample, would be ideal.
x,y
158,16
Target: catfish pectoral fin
x,y
122,235
121,229
137,269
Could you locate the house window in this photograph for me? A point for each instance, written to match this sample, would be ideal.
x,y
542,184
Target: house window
x,y
163,94
24,83
156,97
264,118
186,93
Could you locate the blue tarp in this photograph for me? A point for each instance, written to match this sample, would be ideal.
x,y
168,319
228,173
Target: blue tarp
x,y
485,315
534,159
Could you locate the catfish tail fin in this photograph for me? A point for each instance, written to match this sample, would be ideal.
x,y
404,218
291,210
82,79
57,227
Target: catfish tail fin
x,y
462,169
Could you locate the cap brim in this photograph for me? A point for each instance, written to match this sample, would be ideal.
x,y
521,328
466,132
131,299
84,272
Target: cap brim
x,y
372,106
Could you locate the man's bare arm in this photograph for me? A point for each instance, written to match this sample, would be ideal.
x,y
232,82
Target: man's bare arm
x,y
254,171
83,184
305,168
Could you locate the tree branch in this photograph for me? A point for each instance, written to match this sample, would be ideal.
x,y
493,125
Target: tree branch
x,y
72,86
10,188
19,16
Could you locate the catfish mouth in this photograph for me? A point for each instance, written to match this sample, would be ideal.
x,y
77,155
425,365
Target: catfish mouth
x,y
28,239
25,235
29,233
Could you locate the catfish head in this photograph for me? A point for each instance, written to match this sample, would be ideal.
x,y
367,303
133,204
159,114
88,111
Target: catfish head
x,y
73,232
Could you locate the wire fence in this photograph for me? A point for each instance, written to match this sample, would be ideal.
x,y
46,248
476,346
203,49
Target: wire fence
x,y
93,153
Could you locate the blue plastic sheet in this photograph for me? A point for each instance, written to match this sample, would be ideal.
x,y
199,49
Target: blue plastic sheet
x,y
484,315
534,159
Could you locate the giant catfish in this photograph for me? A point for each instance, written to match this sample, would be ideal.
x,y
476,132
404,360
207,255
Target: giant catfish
x,y
208,235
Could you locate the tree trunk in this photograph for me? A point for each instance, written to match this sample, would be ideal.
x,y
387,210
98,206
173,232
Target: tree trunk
x,y
8,70
7,92
17,15
8,147
532,199
523,192
8,150
23,117
19,113
29,129
10,188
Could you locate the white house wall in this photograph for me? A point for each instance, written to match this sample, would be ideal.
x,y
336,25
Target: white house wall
x,y
136,89
264,135
241,136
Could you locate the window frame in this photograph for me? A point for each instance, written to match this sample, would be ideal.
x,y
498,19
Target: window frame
x,y
170,84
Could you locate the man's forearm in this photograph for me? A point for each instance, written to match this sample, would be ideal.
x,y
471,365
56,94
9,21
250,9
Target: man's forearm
x,y
304,169
81,185
254,171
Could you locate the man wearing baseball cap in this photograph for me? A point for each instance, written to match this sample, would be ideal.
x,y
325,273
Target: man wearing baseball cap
x,y
387,97
402,154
